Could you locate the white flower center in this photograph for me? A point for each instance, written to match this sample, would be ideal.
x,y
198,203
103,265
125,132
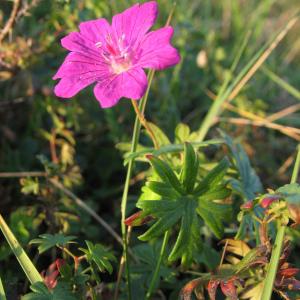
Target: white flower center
x,y
116,53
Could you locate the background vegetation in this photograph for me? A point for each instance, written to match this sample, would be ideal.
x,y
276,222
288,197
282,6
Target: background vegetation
x,y
76,139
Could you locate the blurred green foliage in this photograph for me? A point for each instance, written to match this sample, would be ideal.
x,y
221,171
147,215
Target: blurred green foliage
x,y
75,139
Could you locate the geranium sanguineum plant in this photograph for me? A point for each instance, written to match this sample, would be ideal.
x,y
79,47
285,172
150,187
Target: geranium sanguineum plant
x,y
114,56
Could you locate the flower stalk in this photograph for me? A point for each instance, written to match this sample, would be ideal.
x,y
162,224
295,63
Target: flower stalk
x,y
274,261
134,142
144,122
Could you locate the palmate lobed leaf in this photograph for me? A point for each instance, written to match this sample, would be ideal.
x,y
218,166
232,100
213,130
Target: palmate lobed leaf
x,y
41,292
100,256
47,241
175,202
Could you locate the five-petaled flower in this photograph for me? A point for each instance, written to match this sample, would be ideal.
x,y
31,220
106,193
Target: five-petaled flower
x,y
113,56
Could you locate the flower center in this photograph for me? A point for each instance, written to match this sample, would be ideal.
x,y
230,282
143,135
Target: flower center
x,y
116,53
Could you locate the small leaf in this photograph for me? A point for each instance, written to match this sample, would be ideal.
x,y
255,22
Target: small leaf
x,y
100,256
48,241
29,185
229,289
40,292
160,136
237,247
182,133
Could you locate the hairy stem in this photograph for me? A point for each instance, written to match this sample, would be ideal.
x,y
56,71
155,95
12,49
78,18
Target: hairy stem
x,y
273,265
144,122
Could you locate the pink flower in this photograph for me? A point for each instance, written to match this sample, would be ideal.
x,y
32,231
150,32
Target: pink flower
x,y
113,56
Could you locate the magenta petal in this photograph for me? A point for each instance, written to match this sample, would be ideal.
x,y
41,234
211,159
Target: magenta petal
x,y
79,64
135,21
131,84
76,42
156,50
70,86
95,30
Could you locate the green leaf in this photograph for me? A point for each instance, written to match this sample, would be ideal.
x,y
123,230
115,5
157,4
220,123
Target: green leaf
x,y
168,149
188,241
213,177
142,271
182,133
213,214
162,189
172,208
41,292
291,193
158,208
48,241
164,171
160,136
249,183
100,256
163,224
190,168
29,185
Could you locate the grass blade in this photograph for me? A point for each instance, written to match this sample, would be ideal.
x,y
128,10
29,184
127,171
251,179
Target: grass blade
x,y
243,77
31,272
2,292
282,83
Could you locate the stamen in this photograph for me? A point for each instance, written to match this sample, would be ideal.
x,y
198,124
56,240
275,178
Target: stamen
x,y
98,44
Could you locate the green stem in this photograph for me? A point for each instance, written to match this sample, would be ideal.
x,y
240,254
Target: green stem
x,y
2,292
31,272
273,265
134,142
157,268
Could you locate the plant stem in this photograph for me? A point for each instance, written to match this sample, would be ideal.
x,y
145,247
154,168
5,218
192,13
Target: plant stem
x,y
273,265
134,142
157,268
22,174
31,272
144,122
2,292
